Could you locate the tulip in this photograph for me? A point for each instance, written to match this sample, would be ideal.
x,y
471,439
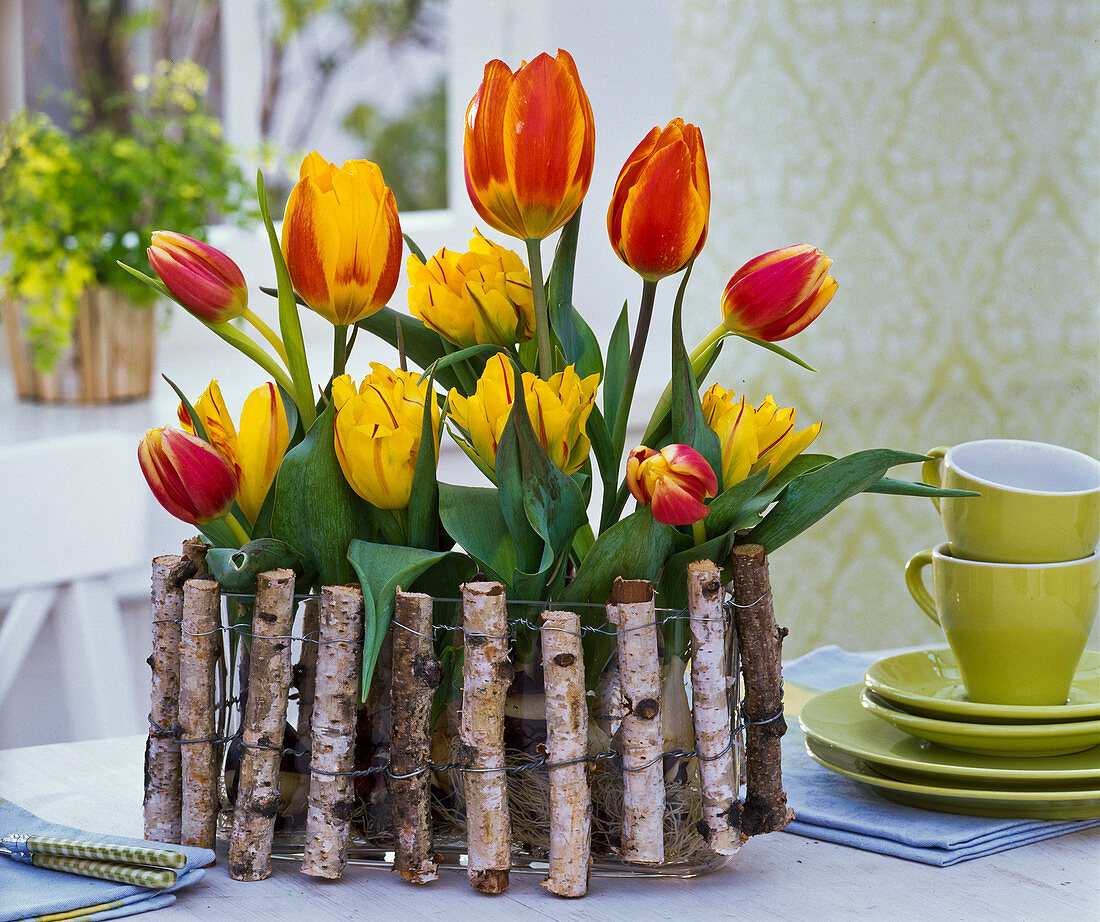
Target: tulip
x,y
342,239
673,481
529,146
479,297
657,220
753,438
777,294
559,409
201,278
378,430
188,476
255,449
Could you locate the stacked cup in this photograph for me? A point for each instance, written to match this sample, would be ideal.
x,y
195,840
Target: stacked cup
x,y
1016,584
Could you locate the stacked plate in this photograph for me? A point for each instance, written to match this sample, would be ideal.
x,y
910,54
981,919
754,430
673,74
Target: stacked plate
x,y
910,732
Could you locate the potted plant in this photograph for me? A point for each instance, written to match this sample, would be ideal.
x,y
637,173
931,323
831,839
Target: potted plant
x,y
75,202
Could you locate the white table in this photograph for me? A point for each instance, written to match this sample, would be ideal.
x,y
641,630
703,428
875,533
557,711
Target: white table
x,y
97,785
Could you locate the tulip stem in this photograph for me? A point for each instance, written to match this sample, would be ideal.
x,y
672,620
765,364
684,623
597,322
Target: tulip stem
x,y
698,358
244,343
267,333
542,316
698,532
633,365
237,528
339,349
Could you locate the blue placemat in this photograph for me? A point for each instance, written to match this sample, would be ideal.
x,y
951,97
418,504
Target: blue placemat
x,y
27,892
831,807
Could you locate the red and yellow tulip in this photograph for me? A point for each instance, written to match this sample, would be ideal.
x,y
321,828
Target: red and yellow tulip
x,y
660,209
200,277
342,239
778,294
529,146
753,438
255,449
482,296
378,433
559,409
673,481
188,476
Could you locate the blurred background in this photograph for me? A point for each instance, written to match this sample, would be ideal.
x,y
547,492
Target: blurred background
x,y
944,155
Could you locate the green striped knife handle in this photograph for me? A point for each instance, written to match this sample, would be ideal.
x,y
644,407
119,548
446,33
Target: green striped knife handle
x,y
106,870
100,851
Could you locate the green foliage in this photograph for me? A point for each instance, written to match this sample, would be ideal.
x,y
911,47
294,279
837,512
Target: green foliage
x,y
74,204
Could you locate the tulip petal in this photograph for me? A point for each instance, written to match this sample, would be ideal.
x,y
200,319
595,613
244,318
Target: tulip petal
x,y
674,505
311,241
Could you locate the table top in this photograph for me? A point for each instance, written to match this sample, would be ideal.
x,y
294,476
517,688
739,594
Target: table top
x,y
97,785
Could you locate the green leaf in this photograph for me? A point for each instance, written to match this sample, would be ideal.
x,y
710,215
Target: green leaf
x,y
778,350
618,355
724,508
236,571
909,488
472,516
424,499
381,568
315,510
534,493
414,249
422,346
689,426
811,496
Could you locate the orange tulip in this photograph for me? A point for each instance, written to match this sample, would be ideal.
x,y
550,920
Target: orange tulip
x,y
528,146
674,481
342,239
659,211
188,476
777,294
200,277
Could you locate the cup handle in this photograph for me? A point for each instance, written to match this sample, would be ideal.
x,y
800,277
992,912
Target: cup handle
x,y
931,471
914,581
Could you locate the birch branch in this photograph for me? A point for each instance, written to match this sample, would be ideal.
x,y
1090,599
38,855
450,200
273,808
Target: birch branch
x,y
331,791
258,799
761,644
416,676
200,645
305,673
718,778
567,741
163,773
631,609
487,673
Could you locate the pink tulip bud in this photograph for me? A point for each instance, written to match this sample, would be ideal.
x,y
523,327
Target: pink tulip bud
x,y
203,279
187,475
777,294
673,481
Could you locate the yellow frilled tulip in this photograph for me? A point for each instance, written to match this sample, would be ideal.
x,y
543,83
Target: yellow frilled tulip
x,y
378,431
255,449
559,410
474,298
753,438
342,239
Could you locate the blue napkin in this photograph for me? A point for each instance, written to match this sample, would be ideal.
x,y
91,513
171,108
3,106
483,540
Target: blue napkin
x,y
831,807
28,892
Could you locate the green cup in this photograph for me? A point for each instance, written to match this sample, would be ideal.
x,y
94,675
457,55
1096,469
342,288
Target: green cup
x,y
1039,503
1017,630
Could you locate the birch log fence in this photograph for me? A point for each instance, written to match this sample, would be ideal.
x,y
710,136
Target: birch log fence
x,y
183,799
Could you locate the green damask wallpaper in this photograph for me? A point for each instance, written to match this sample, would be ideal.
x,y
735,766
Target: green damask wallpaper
x,y
944,154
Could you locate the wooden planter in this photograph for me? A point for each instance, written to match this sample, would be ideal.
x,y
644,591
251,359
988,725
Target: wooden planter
x,y
574,805
110,359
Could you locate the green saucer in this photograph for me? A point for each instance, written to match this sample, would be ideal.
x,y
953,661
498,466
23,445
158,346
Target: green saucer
x,y
1011,802
837,719
928,683
1050,739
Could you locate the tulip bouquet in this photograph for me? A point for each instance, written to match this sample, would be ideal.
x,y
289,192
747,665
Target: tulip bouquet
x,y
339,481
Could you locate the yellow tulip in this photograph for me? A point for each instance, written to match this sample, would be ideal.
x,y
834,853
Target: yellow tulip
x,y
559,410
254,450
753,438
478,297
342,239
378,431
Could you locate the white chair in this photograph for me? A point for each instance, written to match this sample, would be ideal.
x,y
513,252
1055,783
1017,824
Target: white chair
x,y
73,511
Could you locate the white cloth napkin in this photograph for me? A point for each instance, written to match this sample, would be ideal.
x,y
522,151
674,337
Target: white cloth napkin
x,y
831,807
